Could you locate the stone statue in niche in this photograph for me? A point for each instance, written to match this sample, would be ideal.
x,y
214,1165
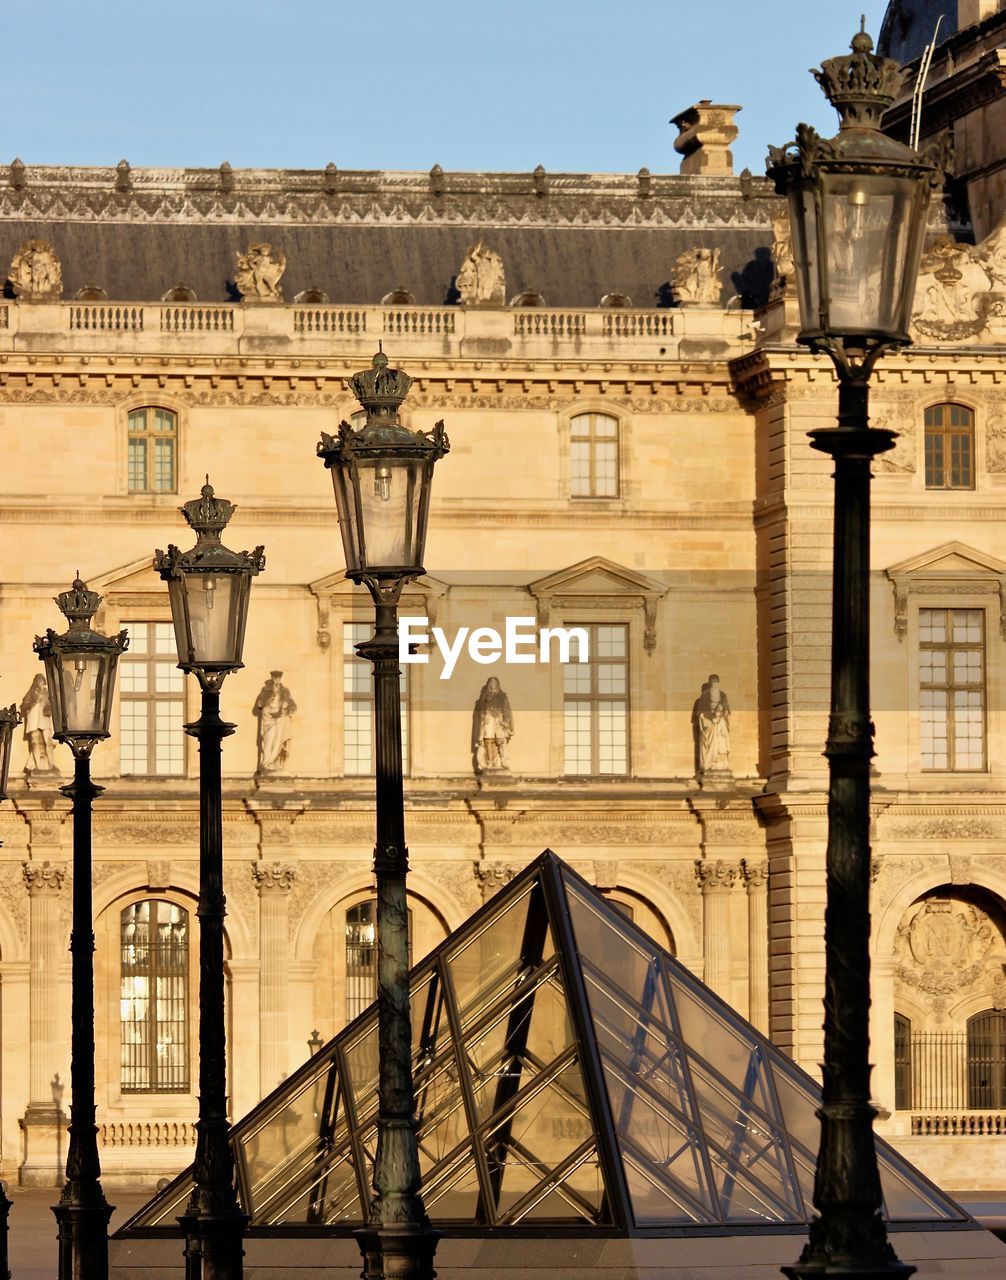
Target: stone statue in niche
x,y
696,278
274,708
480,282
36,712
258,273
35,272
711,726
492,729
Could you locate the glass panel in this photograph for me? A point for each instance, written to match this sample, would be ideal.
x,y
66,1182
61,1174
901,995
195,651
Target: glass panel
x,y
656,1201
906,1199
331,1198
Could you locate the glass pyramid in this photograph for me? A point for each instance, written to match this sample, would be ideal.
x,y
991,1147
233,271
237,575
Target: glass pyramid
x,y
568,1073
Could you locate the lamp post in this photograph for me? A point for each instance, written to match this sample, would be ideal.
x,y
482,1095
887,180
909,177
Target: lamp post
x,y
80,672
9,720
382,475
208,588
857,207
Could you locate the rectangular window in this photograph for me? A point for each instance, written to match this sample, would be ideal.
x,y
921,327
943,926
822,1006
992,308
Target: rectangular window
x,y
151,703
358,704
153,435
950,445
952,689
596,710
593,456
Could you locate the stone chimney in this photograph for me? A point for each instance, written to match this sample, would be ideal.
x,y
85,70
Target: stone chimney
x,y
970,12
705,133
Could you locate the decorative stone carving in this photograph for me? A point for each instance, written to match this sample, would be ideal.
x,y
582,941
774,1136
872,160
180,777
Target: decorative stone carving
x,y
493,876
711,727
273,708
43,877
953,296
943,944
755,874
960,868
903,458
948,829
480,282
36,712
717,876
158,873
258,273
273,877
35,273
492,729
696,278
606,873
995,443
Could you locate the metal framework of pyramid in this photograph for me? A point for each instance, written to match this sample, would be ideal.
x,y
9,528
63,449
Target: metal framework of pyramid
x,y
569,1074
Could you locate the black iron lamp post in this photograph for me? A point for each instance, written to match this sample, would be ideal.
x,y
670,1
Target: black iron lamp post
x,y
9,720
382,474
857,205
80,670
208,588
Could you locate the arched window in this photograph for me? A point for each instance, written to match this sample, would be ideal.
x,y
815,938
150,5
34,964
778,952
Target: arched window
x,y
987,1060
153,1004
593,456
950,447
153,444
361,956
902,1063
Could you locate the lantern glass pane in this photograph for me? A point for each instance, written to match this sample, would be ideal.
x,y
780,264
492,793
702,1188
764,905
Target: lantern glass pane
x,y
803,221
867,238
6,735
217,607
83,681
344,480
180,619
389,491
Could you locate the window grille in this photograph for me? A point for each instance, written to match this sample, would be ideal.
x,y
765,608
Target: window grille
x,y
154,991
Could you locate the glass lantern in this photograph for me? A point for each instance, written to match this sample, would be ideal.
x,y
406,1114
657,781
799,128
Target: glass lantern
x,y
382,474
857,209
80,668
208,589
9,720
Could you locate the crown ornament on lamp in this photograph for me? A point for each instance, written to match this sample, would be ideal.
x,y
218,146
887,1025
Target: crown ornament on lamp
x,y
380,389
861,85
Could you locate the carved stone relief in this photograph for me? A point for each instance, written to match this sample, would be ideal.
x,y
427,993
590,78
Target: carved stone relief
x,y
995,443
43,877
35,272
716,876
960,287
258,273
273,877
943,945
696,278
480,280
492,876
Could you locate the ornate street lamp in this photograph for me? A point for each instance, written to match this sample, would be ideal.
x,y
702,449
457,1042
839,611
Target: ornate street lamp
x,y
382,475
208,587
857,207
9,720
80,672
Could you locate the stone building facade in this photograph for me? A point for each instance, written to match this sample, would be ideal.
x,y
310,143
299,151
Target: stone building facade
x,y
615,361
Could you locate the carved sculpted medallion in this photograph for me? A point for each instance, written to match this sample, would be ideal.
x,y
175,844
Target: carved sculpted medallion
x,y
258,273
943,945
35,273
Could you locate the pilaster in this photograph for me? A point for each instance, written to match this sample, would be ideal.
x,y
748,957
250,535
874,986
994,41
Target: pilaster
x,y
274,880
755,874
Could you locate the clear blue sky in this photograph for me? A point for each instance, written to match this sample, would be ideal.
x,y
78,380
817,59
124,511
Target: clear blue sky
x,y
579,85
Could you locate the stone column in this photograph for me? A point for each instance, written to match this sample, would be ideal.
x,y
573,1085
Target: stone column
x,y
756,880
717,879
44,1123
274,880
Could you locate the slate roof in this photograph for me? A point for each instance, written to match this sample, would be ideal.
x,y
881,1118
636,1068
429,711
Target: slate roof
x,y
908,27
585,237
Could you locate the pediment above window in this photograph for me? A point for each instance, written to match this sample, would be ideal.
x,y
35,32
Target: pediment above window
x,y
948,570
134,588
598,584
335,592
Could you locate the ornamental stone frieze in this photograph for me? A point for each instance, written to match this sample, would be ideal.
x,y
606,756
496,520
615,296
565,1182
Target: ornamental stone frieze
x,y
274,877
354,831
144,830
948,829
44,877
314,881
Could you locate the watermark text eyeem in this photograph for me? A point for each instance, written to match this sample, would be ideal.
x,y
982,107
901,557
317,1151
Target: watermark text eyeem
x,y
522,642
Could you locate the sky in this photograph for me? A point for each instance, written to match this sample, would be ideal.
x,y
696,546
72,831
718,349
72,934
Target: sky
x,y
574,85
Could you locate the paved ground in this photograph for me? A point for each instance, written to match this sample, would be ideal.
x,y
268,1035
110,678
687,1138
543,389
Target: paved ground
x,y
32,1237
